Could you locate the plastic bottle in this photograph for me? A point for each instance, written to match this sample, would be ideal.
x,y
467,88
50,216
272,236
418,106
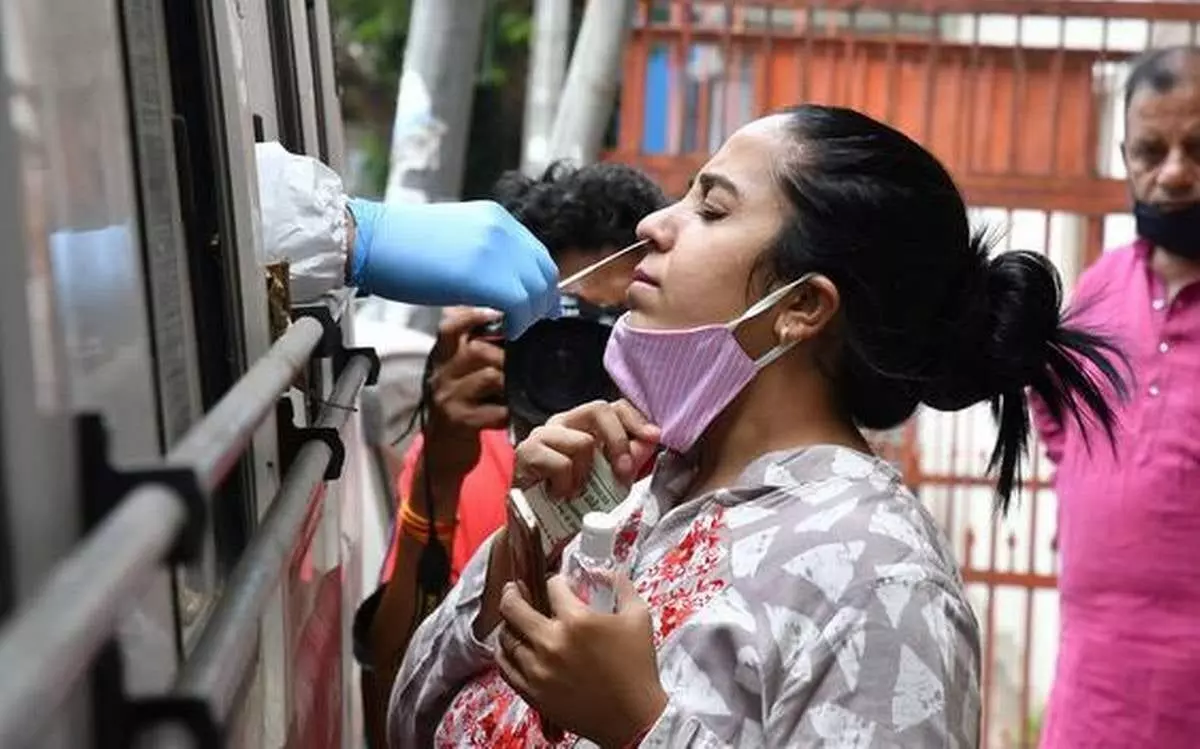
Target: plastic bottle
x,y
591,567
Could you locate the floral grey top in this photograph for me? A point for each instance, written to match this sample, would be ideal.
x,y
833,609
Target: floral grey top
x,y
812,604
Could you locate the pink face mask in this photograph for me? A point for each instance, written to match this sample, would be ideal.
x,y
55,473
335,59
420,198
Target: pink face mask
x,y
683,379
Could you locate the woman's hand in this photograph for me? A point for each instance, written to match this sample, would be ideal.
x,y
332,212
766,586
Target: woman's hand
x,y
560,453
595,675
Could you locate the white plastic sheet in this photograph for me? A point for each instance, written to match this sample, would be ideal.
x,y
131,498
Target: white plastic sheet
x,y
304,220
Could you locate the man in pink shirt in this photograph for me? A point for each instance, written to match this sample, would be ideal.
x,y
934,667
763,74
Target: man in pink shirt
x,y
1128,672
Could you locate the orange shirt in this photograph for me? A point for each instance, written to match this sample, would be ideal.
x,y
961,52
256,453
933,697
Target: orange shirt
x,y
482,499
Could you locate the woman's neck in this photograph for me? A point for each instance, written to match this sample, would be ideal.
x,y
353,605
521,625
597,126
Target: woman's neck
x,y
775,412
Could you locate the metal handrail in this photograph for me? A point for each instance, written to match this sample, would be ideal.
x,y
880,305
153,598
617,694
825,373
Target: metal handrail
x,y
224,655
48,646
213,446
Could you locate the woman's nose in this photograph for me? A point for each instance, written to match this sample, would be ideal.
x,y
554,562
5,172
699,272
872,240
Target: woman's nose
x,y
658,228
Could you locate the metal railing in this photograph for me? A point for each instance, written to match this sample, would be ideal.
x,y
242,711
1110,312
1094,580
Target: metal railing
x,y
224,655
213,447
48,645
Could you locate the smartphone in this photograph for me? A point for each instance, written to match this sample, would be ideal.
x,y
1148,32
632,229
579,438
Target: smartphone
x,y
528,557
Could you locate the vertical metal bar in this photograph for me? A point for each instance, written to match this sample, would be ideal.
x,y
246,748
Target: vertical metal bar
x,y
863,66
733,68
966,102
633,94
1035,492
986,127
989,647
1027,655
729,69
890,93
1046,218
1056,75
765,65
971,95
912,461
685,42
931,71
1094,115
677,62
831,58
849,55
1018,95
1093,241
952,489
968,555
805,57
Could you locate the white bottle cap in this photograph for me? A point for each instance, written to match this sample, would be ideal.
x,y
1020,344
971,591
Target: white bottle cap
x,y
597,535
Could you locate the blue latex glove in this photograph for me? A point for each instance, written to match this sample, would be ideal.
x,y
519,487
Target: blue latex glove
x,y
443,254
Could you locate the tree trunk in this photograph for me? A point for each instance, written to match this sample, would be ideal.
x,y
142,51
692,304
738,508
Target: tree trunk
x,y
592,81
433,105
549,44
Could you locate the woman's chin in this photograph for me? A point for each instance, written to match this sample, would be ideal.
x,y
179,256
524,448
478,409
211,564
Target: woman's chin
x,y
640,295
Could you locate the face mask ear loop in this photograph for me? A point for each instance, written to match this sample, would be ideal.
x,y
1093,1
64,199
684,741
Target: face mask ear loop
x,y
769,358
767,302
761,306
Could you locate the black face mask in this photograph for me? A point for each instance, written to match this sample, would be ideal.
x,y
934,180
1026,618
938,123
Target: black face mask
x,y
1176,231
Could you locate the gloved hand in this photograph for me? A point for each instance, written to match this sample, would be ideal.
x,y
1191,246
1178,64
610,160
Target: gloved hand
x,y
471,253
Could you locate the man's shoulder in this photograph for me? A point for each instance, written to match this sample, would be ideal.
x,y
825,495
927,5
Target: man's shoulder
x,y
1114,264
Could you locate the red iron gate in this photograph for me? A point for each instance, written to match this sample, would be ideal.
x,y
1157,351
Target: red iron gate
x,y
1020,99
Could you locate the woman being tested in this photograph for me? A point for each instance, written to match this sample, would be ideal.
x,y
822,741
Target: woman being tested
x,y
784,588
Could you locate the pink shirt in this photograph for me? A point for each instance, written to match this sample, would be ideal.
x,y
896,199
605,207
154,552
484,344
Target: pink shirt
x,y
1128,671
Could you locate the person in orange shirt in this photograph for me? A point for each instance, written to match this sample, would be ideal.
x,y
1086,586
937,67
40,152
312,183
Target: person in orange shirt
x,y
462,462
464,454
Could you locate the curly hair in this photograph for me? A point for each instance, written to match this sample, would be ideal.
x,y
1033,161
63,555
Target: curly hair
x,y
591,208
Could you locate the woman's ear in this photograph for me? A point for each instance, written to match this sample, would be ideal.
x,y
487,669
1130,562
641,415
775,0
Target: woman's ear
x,y
809,310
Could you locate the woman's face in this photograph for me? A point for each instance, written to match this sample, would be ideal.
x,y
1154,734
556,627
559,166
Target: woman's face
x,y
708,244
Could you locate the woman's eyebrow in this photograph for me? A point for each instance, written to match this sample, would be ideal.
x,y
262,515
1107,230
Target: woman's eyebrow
x,y
709,180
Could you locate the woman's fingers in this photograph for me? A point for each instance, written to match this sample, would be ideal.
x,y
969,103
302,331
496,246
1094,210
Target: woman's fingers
x,y
556,455
642,453
616,426
510,668
644,442
607,427
635,423
561,452
521,619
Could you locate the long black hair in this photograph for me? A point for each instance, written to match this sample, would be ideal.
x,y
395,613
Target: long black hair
x,y
927,316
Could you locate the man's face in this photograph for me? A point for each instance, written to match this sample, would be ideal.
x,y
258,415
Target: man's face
x,y
1162,144
607,286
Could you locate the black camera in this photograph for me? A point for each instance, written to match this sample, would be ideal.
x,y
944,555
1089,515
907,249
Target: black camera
x,y
556,364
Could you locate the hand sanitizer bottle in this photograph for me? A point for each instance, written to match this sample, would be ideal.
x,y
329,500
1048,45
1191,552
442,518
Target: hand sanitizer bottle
x,y
591,567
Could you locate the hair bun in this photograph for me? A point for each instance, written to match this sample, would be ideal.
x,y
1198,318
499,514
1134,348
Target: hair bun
x,y
1011,323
